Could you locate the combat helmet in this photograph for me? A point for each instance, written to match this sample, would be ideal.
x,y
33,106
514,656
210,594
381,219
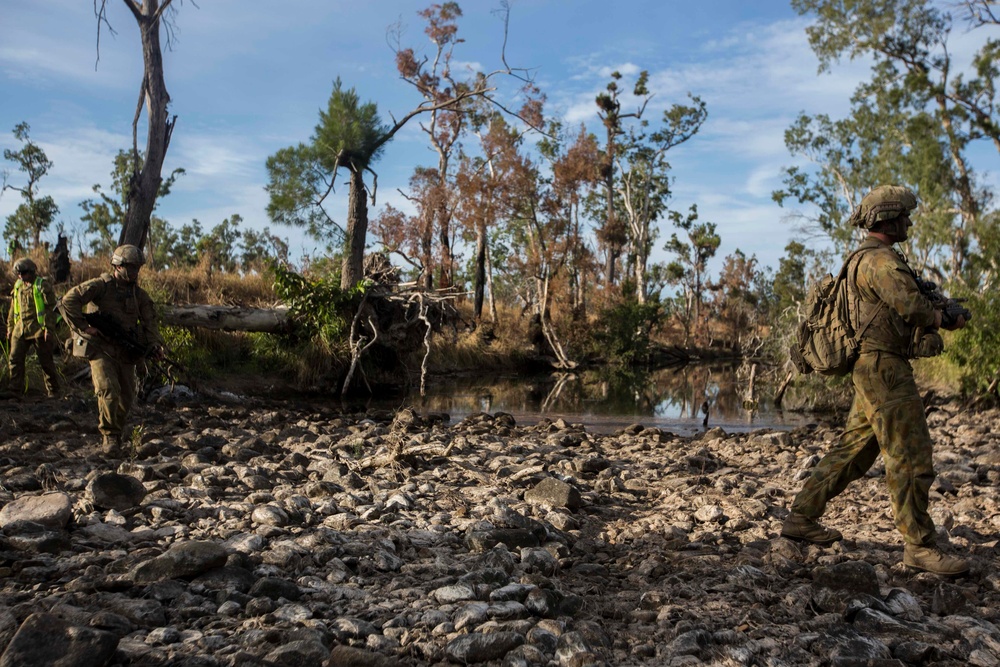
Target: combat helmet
x,y
886,202
127,254
25,264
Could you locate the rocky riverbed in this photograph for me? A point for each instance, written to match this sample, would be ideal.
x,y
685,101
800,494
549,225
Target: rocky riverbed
x,y
247,532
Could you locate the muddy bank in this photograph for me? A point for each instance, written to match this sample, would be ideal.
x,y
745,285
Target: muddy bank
x,y
248,532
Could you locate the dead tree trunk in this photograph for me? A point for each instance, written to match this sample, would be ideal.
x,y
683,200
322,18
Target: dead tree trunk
x,y
144,181
357,230
225,318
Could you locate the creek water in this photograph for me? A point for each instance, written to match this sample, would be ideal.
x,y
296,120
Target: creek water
x,y
674,399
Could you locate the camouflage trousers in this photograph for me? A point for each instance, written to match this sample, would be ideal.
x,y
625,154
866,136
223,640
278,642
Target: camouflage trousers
x,y
114,385
888,416
19,348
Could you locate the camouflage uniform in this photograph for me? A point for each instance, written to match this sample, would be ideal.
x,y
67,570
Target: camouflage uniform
x,y
887,414
26,329
111,367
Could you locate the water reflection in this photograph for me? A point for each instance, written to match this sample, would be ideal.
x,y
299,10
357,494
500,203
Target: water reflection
x,y
675,399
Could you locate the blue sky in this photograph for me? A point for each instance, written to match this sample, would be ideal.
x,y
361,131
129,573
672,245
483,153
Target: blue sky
x,y
247,78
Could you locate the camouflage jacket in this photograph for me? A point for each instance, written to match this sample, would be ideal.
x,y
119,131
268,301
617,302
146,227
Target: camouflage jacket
x,y
881,281
128,304
23,320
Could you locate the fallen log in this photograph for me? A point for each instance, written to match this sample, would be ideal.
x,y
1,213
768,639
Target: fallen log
x,y
227,318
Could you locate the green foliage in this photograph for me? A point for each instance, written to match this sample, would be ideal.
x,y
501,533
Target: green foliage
x,y
184,348
319,308
688,269
915,122
349,134
623,332
975,347
35,214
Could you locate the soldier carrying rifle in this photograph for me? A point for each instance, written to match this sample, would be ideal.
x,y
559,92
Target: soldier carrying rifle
x,y
887,415
124,315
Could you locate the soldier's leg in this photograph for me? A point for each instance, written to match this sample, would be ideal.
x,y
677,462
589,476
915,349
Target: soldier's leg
x,y
18,353
104,372
48,364
901,429
846,461
126,379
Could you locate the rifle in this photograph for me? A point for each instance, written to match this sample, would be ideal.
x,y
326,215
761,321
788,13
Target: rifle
x,y
950,308
111,329
129,341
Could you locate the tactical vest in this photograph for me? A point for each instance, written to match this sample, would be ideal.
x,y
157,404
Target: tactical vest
x,y
888,331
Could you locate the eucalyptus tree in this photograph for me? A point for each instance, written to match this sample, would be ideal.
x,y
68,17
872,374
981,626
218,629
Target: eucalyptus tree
x,y
916,119
699,243
34,214
612,234
644,184
450,101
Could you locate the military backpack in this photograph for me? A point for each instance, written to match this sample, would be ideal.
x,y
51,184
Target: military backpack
x,y
826,341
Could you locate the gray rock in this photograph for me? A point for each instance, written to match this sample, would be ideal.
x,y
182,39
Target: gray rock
x,y
854,575
470,615
539,560
299,654
112,491
145,613
185,559
44,639
163,636
347,627
512,538
573,649
42,542
454,593
227,579
348,656
270,515
275,588
553,493
52,510
480,647
709,514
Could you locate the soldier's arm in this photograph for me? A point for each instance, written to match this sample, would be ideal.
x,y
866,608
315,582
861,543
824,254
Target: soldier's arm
x,y
149,320
10,317
49,297
892,281
75,299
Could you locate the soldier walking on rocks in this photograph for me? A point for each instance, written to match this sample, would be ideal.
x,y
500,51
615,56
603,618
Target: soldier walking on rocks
x,y
887,414
31,322
112,360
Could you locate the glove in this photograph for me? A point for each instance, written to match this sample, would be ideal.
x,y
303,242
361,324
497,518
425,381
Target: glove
x,y
930,345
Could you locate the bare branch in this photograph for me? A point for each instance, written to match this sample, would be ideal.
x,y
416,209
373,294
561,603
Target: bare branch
x,y
162,8
135,125
101,13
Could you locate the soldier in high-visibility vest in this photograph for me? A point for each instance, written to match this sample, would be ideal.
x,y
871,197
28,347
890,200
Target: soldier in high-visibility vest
x,y
31,322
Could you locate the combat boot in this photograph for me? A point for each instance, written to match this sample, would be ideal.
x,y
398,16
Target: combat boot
x,y
933,560
112,447
800,527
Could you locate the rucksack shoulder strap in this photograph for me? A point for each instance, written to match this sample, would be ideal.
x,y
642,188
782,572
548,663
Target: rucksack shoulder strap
x,y
869,244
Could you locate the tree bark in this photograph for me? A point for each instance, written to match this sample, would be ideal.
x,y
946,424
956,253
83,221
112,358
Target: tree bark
x,y
357,231
480,280
144,183
226,318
